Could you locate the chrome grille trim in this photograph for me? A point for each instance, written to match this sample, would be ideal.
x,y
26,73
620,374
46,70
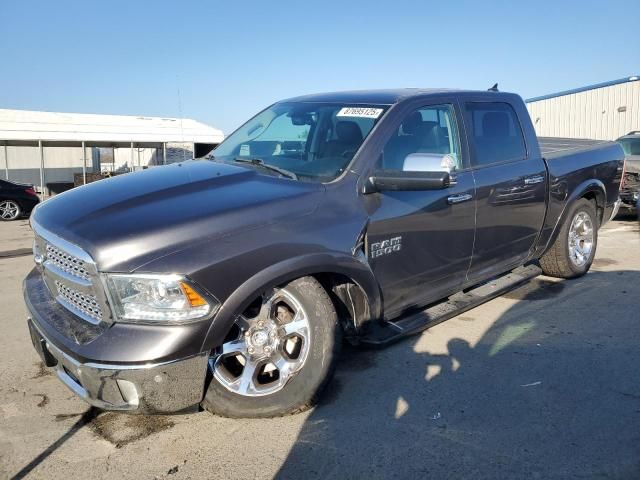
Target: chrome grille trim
x,y
71,276
85,305
64,245
65,262
84,286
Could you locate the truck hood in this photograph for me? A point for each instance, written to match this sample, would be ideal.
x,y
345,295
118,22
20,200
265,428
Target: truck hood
x,y
127,221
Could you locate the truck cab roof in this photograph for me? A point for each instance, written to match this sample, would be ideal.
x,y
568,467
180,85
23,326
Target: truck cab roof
x,y
391,96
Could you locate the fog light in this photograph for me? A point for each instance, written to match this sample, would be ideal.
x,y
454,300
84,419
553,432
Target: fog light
x,y
38,257
128,391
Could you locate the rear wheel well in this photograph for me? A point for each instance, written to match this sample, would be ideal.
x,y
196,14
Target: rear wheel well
x,y
597,198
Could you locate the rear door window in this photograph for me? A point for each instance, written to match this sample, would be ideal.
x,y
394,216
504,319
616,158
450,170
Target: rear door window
x,y
496,131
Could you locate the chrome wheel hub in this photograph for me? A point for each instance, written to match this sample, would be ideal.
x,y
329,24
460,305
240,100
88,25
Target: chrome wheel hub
x,y
8,210
262,339
581,236
266,348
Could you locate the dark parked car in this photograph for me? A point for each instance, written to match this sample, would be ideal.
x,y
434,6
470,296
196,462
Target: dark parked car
x,y
16,200
630,190
369,215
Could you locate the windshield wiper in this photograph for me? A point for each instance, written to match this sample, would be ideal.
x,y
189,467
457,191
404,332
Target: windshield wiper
x,y
260,163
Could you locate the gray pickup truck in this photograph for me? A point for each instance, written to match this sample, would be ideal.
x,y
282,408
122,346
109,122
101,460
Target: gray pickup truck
x,y
231,282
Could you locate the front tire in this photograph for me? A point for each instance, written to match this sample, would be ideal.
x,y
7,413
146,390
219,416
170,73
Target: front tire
x,y
9,210
572,253
278,357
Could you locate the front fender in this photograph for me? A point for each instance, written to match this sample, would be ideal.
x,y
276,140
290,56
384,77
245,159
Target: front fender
x,y
356,268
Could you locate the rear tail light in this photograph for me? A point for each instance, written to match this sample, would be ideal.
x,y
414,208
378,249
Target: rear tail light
x,y
30,191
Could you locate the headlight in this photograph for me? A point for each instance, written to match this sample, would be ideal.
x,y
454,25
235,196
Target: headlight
x,y
155,298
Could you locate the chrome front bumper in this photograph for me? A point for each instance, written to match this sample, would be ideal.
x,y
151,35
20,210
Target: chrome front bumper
x,y
148,388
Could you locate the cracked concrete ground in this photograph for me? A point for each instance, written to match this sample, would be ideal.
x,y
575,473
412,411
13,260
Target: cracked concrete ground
x,y
540,383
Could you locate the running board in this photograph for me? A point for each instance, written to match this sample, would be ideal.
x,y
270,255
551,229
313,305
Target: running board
x,y
391,331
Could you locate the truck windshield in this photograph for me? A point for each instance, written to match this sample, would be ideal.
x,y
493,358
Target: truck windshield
x,y
308,141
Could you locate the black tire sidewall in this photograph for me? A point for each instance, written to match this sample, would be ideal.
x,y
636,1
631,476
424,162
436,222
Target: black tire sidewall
x,y
301,390
587,207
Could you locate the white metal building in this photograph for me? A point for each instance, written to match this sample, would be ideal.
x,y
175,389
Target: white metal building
x,y
604,111
44,148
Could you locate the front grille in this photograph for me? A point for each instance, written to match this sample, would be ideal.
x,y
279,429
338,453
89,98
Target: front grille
x,y
71,276
46,302
85,303
65,262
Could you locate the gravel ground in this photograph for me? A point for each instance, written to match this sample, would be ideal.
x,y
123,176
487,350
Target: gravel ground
x,y
540,383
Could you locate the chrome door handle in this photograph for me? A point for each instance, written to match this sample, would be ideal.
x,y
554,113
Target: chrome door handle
x,y
533,180
463,197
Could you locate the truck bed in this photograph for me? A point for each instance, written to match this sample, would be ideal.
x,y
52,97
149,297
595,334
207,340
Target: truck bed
x,y
555,146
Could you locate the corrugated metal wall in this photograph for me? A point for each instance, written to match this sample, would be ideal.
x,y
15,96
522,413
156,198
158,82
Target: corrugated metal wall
x,y
604,113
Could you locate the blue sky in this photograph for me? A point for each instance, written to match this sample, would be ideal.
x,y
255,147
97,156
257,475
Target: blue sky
x,y
231,59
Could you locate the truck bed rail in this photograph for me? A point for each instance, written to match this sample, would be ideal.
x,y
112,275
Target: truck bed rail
x,y
556,146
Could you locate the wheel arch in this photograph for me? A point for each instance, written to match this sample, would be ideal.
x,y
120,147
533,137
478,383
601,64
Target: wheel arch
x,y
338,273
592,190
597,196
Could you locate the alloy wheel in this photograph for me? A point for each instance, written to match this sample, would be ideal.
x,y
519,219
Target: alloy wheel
x,y
9,210
264,351
581,239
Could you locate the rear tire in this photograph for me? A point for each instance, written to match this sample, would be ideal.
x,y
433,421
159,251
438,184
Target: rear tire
x,y
573,251
259,343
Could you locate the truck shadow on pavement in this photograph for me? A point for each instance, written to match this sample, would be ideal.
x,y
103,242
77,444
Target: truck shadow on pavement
x,y
116,428
550,390
85,418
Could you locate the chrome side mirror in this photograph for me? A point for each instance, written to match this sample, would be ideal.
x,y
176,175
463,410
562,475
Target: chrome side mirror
x,y
429,162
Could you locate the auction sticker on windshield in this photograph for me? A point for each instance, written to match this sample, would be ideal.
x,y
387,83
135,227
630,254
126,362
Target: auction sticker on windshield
x,y
364,112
